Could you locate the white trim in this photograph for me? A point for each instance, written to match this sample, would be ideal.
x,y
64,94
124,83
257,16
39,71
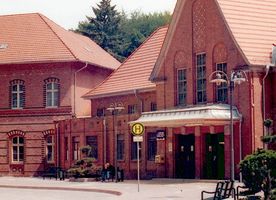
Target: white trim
x,y
216,114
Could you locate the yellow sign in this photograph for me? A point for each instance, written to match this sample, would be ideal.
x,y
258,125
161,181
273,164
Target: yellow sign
x,y
137,129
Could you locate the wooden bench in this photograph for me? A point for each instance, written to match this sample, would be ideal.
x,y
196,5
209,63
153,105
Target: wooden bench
x,y
224,189
54,172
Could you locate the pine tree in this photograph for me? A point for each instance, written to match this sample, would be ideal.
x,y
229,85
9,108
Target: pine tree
x,y
104,27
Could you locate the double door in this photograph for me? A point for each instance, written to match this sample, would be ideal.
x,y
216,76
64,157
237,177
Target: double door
x,y
185,156
214,156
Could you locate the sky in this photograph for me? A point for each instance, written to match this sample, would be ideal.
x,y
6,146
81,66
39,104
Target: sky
x,y
67,13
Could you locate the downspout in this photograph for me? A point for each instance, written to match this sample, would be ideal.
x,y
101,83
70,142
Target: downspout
x,y
264,104
75,84
140,100
240,135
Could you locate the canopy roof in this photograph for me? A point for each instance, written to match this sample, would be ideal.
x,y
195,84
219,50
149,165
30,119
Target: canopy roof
x,y
216,114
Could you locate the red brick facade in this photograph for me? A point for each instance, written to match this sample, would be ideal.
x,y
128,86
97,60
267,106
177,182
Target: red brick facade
x,y
35,121
198,27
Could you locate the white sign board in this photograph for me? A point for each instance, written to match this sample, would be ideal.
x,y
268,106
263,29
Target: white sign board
x,y
137,138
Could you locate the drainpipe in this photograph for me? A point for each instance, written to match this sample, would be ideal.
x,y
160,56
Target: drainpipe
x,y
140,99
240,136
75,84
264,104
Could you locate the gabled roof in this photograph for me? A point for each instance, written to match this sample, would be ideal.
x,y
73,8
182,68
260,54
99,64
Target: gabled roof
x,y
134,73
35,38
250,22
253,25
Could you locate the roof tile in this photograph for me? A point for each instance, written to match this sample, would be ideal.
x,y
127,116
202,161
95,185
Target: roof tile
x,y
252,23
35,38
134,73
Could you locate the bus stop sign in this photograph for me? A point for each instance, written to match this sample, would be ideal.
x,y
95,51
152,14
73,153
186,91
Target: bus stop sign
x,y
137,129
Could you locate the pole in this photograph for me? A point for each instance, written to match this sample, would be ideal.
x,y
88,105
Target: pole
x,y
115,145
138,167
232,168
104,140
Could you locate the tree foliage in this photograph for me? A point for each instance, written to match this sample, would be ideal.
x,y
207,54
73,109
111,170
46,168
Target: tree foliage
x,y
104,27
118,33
259,172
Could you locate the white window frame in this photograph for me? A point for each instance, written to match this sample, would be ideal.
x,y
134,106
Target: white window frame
x,y
18,93
201,90
223,86
48,144
52,91
17,145
185,89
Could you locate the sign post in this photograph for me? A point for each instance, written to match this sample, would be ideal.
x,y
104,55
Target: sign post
x,y
138,130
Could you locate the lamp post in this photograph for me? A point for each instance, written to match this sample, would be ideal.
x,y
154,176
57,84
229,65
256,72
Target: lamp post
x,y
115,109
236,77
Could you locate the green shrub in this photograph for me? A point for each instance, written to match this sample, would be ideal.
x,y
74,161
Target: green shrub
x,y
259,171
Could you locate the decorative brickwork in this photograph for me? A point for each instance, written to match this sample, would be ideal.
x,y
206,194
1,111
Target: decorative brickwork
x,y
220,53
199,25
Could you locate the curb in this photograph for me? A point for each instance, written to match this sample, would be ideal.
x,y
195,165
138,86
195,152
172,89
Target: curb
x,y
116,193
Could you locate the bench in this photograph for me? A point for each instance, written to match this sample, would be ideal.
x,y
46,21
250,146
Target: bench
x,y
54,172
224,189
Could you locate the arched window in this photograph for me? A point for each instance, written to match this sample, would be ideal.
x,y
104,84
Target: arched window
x,y
50,148
17,149
17,90
51,92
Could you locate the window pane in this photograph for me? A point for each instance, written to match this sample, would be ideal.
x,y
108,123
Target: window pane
x,y
92,141
14,88
55,98
20,88
15,153
49,98
14,140
49,153
49,86
49,139
21,140
152,146
120,147
21,153
55,86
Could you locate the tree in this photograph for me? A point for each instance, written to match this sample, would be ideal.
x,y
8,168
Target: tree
x,y
136,28
118,33
104,27
259,172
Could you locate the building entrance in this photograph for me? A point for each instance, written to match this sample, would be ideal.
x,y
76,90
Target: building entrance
x,y
185,156
214,156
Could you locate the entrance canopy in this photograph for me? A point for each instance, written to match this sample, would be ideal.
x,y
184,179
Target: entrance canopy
x,y
215,114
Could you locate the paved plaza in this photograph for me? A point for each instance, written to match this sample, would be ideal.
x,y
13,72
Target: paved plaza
x,y
163,189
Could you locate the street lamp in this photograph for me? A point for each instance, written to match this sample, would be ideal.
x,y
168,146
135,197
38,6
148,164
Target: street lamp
x,y
115,109
236,77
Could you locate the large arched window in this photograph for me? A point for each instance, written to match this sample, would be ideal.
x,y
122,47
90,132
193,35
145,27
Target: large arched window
x,y
17,94
51,89
17,149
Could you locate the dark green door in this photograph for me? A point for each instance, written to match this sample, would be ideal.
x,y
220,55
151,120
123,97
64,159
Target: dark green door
x,y
214,156
185,156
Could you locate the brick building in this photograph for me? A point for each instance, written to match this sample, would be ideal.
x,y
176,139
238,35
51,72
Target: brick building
x,y
128,86
45,69
204,36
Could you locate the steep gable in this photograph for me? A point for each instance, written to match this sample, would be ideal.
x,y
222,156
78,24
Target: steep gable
x,y
251,24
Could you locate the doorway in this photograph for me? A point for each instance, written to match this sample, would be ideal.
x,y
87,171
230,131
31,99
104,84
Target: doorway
x,y
185,156
214,156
